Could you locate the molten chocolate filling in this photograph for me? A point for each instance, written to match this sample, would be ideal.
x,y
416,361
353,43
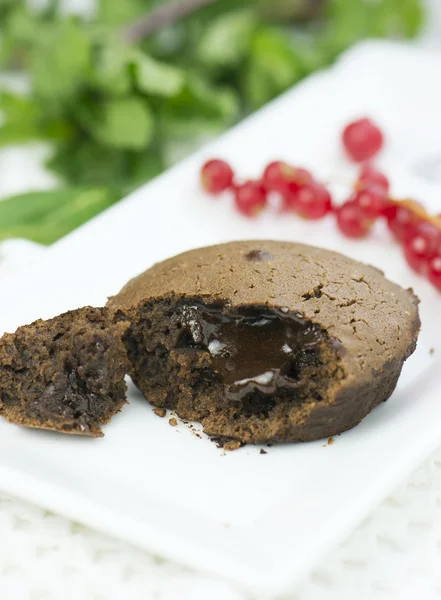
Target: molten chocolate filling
x,y
253,348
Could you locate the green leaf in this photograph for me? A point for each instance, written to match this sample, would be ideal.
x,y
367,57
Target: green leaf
x,y
17,107
90,164
25,121
120,122
227,39
24,132
289,10
19,30
16,133
6,3
199,105
143,167
25,209
273,67
61,61
112,70
353,20
399,18
272,52
155,77
84,205
121,11
22,25
257,89
55,213
308,50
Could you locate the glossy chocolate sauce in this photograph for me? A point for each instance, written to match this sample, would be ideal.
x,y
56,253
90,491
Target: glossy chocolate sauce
x,y
254,348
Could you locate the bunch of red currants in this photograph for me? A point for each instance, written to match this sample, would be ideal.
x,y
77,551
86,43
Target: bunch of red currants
x,y
418,232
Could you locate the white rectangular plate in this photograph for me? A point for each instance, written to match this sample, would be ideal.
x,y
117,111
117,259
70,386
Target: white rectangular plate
x,y
259,520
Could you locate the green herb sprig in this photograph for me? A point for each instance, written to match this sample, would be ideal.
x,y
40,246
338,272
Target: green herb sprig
x,y
122,93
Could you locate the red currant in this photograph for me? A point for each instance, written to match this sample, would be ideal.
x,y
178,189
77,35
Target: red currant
x,y
371,201
362,140
418,251
250,198
400,220
351,220
216,176
370,176
297,178
312,201
276,175
434,271
428,231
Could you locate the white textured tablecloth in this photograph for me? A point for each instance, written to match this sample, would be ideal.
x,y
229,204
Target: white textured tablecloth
x,y
395,553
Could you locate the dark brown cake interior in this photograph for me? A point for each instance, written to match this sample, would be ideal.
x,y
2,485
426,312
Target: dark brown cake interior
x,y
65,374
237,370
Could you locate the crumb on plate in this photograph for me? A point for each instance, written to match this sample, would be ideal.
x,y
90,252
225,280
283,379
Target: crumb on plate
x,y
160,412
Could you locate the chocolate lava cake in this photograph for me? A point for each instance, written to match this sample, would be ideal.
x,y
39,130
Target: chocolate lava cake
x,y
265,341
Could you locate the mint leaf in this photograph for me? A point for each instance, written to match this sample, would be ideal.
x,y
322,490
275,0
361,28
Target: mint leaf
x,y
120,122
60,61
289,10
226,40
121,11
84,205
155,77
143,167
19,133
199,101
399,18
112,70
352,20
272,68
19,29
25,209
309,51
17,107
272,52
196,114
90,164
61,211
22,25
24,120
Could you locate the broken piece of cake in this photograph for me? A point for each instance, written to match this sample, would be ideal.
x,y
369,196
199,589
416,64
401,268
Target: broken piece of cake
x,y
265,341
65,374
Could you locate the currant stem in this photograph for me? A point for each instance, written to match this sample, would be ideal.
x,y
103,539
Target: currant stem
x,y
419,211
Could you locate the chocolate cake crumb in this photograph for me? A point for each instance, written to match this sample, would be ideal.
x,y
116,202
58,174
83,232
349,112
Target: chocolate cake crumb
x,y
65,374
331,441
173,422
432,351
160,412
232,445
262,451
